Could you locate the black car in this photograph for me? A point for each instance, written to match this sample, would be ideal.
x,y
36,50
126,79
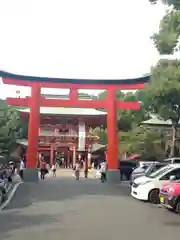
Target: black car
x,y
126,167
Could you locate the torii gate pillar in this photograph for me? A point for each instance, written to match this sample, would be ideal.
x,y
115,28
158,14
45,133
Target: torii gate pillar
x,y
31,172
113,174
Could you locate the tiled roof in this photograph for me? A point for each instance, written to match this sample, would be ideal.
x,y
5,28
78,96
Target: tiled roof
x,y
19,77
67,111
157,121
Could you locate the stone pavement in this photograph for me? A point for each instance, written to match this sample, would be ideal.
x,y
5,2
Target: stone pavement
x,y
66,209
68,172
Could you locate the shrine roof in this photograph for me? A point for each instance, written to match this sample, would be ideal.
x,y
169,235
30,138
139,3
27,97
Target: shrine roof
x,y
157,121
66,111
19,77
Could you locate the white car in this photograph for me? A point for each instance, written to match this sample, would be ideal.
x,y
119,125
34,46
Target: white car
x,y
147,188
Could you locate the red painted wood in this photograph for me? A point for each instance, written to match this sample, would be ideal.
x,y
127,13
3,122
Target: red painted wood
x,y
24,102
51,156
73,94
43,149
112,131
75,86
74,103
128,105
33,127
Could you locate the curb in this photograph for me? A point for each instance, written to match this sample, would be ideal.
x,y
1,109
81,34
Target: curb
x,y
10,195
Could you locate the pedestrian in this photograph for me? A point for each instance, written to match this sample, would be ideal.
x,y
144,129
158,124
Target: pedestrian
x,y
21,169
85,169
43,169
103,171
77,170
53,169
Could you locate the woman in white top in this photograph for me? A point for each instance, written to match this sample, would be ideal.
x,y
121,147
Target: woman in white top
x,y
53,170
77,170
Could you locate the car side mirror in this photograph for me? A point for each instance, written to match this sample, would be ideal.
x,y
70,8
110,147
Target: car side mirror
x,y
172,178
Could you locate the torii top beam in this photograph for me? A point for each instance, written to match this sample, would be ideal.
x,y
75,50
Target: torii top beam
x,y
123,84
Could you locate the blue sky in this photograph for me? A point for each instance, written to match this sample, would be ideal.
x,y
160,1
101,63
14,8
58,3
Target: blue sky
x,y
77,39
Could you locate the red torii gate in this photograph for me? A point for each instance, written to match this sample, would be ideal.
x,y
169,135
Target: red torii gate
x,y
36,100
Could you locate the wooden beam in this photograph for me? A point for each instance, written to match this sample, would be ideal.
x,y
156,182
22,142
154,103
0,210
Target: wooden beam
x,y
128,105
24,102
94,86
74,103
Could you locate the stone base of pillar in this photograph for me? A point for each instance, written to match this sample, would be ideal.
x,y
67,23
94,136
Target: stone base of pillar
x,y
113,176
30,175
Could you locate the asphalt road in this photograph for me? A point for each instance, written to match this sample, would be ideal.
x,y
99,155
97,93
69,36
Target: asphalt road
x,y
66,209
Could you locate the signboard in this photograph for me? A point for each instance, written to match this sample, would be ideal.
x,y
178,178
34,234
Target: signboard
x,y
82,136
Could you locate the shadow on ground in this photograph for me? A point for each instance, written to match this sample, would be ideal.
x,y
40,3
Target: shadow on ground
x,y
61,189
65,208
14,218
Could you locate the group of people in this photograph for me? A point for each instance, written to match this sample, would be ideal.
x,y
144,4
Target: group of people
x,y
44,169
103,170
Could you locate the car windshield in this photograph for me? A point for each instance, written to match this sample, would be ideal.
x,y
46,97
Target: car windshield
x,y
152,169
160,171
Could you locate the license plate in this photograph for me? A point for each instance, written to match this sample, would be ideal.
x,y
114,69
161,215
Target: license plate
x,y
161,199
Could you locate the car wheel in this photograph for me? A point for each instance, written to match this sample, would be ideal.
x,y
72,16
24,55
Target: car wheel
x,y
177,208
124,177
154,196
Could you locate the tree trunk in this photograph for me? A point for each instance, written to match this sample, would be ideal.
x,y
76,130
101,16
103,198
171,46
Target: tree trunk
x,y
172,153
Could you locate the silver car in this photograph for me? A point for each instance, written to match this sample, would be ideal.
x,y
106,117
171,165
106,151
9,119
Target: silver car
x,y
147,170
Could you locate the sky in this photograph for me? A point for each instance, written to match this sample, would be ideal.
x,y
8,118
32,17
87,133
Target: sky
x,y
107,39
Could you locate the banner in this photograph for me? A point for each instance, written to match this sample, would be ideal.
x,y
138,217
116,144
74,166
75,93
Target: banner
x,y
82,136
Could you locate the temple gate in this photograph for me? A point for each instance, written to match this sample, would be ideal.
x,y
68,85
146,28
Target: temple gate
x,y
111,104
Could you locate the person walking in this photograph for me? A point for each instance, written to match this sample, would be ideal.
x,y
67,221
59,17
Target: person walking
x,y
43,169
77,170
21,169
53,169
86,170
103,171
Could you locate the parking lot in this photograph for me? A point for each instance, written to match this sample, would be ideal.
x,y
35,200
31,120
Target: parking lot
x,y
66,209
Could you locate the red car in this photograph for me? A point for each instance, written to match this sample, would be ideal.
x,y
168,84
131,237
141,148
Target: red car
x,y
170,196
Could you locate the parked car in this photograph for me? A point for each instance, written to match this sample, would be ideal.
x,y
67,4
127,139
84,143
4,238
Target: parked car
x,y
147,187
147,170
170,196
172,160
126,167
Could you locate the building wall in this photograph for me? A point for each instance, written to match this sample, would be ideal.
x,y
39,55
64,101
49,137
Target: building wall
x,y
58,130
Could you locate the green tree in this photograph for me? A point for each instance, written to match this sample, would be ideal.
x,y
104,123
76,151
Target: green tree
x,y
101,133
163,94
147,143
166,40
127,119
9,128
174,3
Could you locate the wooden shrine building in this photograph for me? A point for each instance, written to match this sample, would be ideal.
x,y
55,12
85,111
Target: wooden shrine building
x,y
66,131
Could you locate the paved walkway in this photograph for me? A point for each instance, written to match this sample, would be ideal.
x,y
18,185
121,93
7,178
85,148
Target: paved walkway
x,y
66,209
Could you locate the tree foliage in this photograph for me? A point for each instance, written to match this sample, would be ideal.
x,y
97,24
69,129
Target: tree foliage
x,y
132,138
174,3
163,94
147,143
166,40
10,125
